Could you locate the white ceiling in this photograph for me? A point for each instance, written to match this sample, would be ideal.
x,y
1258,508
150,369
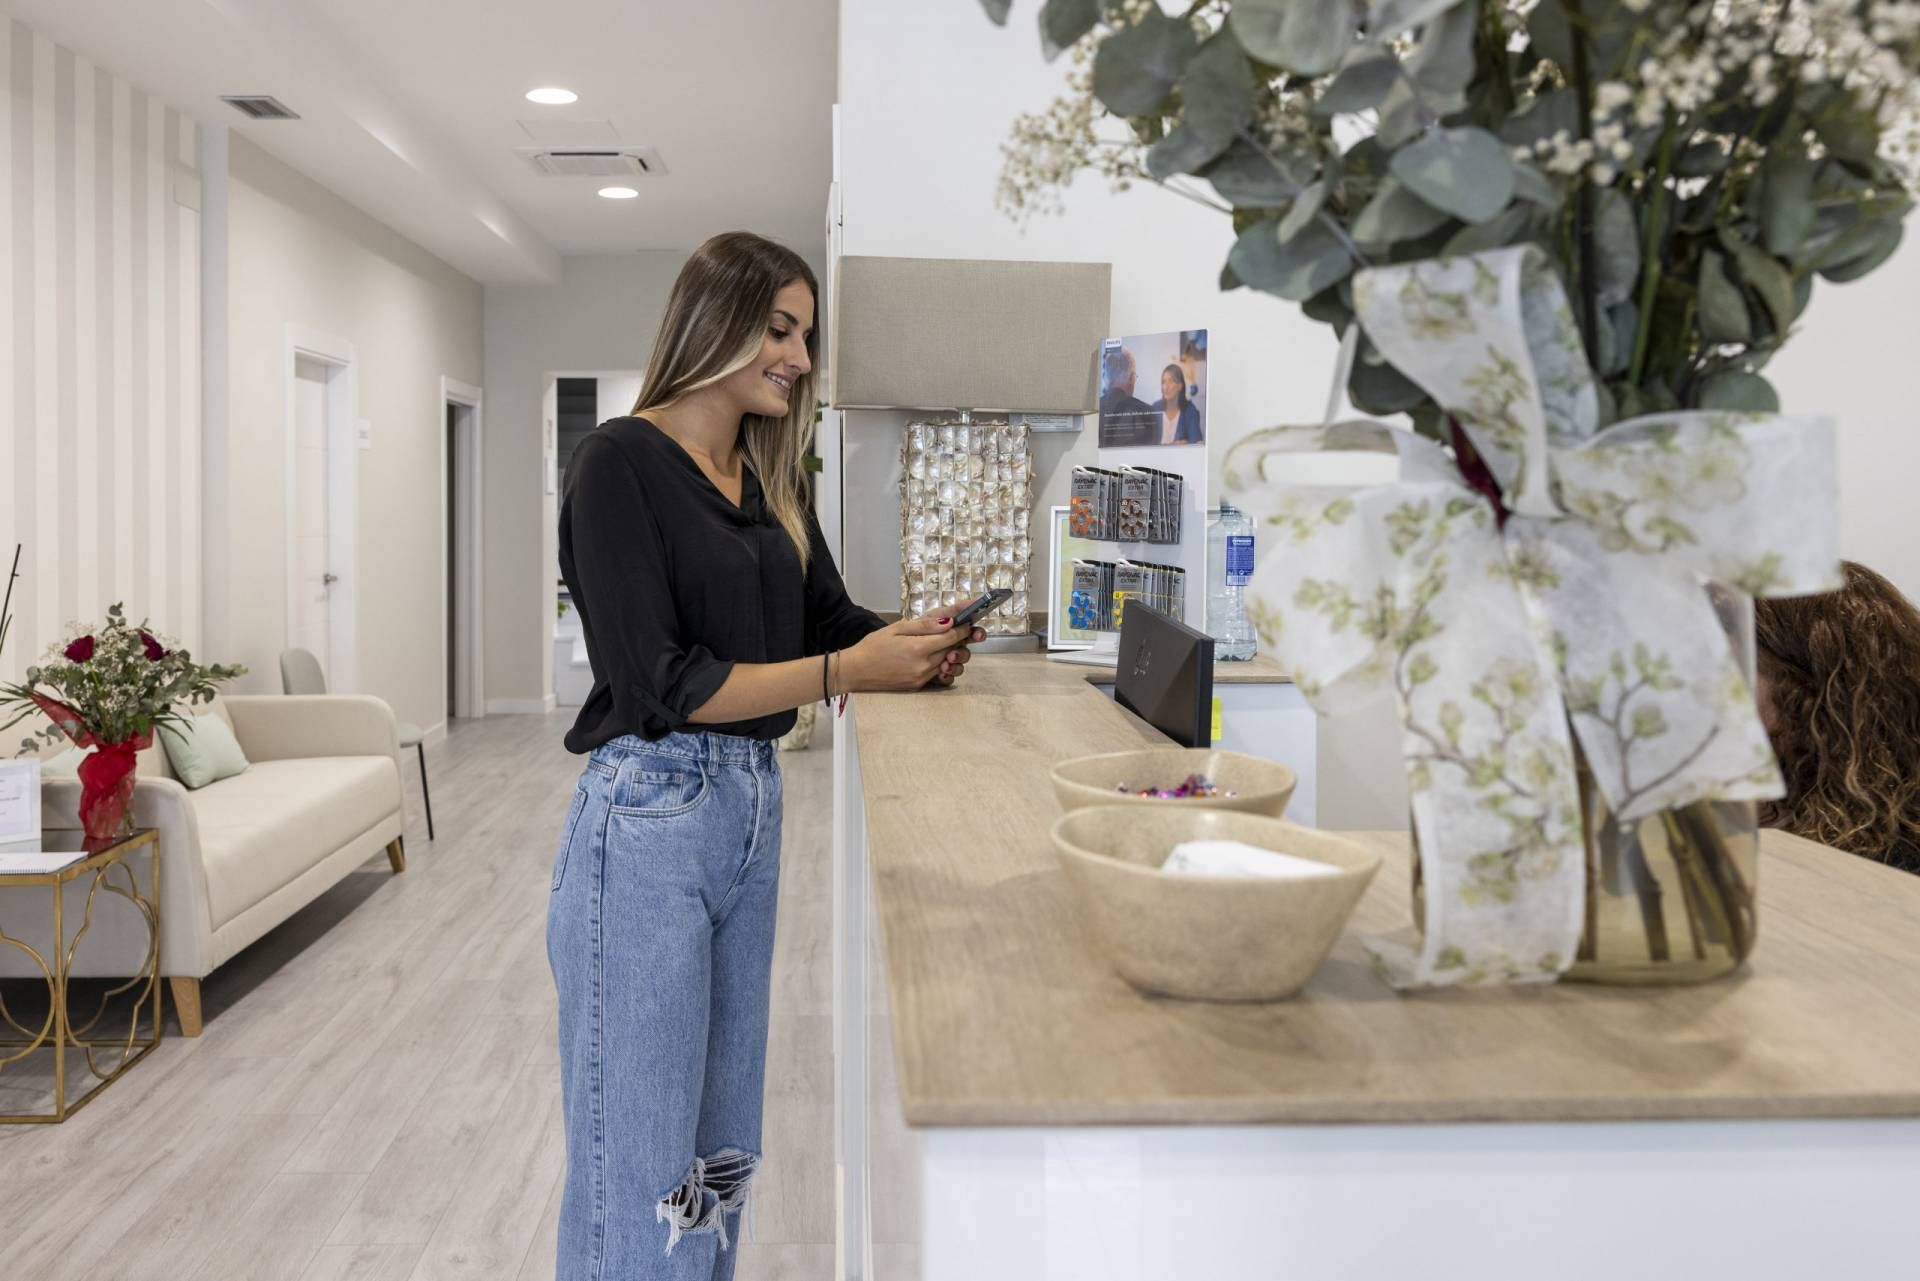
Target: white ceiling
x,y
411,109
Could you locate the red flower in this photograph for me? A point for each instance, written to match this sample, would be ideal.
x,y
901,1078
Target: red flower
x,y
155,650
81,650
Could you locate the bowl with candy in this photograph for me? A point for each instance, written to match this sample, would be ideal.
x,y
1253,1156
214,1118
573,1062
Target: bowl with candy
x,y
1192,778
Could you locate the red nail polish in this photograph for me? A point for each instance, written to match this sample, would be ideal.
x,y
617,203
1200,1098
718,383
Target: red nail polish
x,y
943,622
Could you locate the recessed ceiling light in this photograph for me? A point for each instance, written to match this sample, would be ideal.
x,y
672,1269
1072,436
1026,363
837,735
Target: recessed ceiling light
x,y
618,193
552,97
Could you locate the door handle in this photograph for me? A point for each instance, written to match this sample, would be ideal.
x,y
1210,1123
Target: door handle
x,y
329,579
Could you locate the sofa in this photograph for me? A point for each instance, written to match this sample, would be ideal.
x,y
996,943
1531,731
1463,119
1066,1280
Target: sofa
x,y
321,795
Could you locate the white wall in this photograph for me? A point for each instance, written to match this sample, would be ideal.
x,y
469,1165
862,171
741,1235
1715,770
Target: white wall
x,y
300,255
920,155
99,349
1854,358
601,315
615,394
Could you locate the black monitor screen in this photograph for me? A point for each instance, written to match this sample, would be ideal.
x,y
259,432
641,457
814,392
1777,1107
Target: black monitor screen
x,y
1165,675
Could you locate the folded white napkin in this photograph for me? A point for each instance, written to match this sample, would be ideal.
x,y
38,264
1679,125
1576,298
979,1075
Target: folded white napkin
x,y
1237,858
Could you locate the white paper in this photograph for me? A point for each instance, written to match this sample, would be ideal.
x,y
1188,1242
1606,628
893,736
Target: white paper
x,y
19,801
37,862
1237,858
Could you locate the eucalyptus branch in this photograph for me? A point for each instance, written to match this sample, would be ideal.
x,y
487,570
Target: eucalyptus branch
x,y
1428,116
1652,255
1187,193
1320,215
1583,213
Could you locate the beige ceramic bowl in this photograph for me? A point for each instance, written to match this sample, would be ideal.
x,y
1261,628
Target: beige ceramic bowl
x,y
1260,786
1210,937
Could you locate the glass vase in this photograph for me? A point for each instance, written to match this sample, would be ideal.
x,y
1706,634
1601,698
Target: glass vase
x,y
106,789
1671,897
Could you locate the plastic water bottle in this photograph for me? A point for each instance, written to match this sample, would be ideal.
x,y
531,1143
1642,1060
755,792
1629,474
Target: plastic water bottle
x,y
1229,569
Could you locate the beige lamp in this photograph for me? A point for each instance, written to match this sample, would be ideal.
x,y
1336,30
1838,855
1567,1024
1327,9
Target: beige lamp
x,y
960,337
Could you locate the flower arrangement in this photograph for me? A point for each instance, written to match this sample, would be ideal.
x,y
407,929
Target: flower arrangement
x,y
1565,237
113,682
108,688
1688,166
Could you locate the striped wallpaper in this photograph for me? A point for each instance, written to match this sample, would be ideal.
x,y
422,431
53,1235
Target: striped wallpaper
x,y
99,348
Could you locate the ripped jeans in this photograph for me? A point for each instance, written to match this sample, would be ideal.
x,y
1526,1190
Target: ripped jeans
x,y
660,935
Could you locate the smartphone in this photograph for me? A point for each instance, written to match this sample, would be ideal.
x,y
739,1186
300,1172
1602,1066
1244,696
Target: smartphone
x,y
974,608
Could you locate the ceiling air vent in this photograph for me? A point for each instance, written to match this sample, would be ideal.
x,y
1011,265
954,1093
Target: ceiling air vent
x,y
594,162
259,106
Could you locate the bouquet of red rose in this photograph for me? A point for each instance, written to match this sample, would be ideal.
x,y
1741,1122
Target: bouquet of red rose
x,y
108,689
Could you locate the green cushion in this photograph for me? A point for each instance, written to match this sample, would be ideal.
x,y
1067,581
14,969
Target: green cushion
x,y
202,751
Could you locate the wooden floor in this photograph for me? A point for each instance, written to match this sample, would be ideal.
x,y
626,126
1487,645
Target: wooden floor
x,y
377,1094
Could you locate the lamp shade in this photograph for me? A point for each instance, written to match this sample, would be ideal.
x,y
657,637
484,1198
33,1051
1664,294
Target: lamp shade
x,y
954,333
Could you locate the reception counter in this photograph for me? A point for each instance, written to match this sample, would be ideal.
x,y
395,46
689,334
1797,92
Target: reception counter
x,y
1011,1108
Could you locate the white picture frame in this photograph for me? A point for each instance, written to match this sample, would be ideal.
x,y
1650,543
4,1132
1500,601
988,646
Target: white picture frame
x,y
1062,549
19,802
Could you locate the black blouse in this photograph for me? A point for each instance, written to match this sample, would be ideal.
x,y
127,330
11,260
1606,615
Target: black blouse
x,y
675,585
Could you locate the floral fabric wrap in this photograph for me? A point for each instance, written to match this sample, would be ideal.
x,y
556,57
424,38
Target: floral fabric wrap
x,y
1588,608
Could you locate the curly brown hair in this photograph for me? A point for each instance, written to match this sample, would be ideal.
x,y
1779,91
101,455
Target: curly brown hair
x,y
1840,680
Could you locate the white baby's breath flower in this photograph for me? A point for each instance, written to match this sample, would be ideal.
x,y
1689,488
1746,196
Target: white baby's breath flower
x,y
1609,96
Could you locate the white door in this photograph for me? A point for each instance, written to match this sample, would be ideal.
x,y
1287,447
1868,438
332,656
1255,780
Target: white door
x,y
313,577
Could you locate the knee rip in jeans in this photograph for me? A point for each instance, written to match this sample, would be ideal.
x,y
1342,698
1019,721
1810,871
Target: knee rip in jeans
x,y
715,1187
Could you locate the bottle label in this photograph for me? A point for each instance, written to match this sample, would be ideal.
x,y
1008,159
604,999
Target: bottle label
x,y
1239,559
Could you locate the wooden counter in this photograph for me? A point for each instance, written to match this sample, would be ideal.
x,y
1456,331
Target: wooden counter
x,y
1003,1014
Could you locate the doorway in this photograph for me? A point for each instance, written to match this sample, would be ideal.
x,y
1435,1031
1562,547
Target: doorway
x,y
450,454
462,604
573,405
321,495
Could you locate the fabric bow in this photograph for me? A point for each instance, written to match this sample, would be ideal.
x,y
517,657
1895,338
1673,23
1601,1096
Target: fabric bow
x,y
1590,608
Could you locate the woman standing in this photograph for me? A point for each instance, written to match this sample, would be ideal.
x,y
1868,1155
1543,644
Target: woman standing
x,y
711,610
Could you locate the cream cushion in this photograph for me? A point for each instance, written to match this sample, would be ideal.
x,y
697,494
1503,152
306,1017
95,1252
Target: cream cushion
x,y
259,830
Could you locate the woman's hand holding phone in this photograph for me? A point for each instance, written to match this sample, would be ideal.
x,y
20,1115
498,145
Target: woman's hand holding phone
x,y
908,655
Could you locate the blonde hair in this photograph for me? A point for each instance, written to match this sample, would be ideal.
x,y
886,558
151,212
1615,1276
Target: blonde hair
x,y
714,326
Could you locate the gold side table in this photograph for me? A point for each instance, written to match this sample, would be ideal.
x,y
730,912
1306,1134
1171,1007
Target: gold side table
x,y
106,1052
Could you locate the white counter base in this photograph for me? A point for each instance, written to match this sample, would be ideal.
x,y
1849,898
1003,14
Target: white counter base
x,y
1651,1201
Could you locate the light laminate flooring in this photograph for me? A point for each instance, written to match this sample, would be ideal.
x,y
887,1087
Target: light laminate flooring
x,y
376,1095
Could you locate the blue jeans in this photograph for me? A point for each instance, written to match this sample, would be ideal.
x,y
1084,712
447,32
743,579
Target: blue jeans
x,y
660,935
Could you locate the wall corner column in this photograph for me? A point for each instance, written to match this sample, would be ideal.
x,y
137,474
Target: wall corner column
x,y
216,623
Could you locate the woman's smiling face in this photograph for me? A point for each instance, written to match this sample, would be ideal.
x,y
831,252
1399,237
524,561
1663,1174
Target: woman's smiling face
x,y
765,385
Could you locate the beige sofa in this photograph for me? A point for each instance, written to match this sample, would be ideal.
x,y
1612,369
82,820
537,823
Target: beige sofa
x,y
321,795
